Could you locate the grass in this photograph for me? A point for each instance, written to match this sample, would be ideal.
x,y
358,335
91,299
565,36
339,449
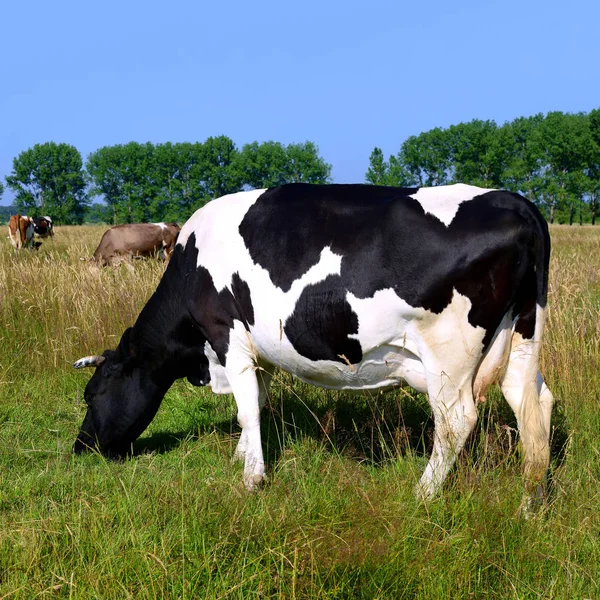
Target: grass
x,y
338,518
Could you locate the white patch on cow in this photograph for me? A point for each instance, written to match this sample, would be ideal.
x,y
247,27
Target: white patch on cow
x,y
447,340
161,225
385,333
443,201
218,379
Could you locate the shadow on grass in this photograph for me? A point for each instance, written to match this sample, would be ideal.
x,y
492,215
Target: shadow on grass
x,y
371,428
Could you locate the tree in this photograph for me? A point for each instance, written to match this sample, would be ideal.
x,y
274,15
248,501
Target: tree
x,y
104,175
304,165
382,172
426,158
263,165
524,155
564,140
379,168
1,189
271,164
123,174
478,153
48,179
218,167
98,213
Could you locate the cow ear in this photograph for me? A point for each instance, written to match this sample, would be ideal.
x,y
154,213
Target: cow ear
x,y
125,344
200,376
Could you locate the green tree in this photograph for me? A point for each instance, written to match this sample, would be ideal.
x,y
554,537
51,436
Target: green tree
x,y
379,168
524,154
478,153
123,174
104,175
98,213
305,165
392,172
263,165
219,168
271,164
48,179
1,189
426,158
564,140
592,169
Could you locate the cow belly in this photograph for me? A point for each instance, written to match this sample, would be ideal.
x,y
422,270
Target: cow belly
x,y
383,368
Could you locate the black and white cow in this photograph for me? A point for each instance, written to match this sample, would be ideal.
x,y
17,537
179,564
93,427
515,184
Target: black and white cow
x,y
348,287
43,227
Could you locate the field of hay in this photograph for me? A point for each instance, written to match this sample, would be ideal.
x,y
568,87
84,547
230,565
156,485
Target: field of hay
x,y
338,518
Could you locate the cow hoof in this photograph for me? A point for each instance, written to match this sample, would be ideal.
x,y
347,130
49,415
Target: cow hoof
x,y
254,482
533,502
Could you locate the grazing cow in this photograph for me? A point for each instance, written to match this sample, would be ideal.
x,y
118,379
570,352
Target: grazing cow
x,y
348,287
137,239
20,231
43,227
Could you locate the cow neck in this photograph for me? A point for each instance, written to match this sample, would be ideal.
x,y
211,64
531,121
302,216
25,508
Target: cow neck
x,y
165,336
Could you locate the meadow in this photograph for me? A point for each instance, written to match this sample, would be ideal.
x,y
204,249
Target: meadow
x,y
337,519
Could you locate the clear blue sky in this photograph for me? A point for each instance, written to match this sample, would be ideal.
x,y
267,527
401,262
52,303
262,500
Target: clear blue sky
x,y
348,76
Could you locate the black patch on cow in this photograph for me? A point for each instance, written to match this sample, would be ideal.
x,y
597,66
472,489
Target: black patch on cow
x,y
321,322
288,227
241,293
186,310
495,244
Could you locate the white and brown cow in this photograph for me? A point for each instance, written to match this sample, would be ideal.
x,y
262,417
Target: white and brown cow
x,y
348,287
137,239
20,231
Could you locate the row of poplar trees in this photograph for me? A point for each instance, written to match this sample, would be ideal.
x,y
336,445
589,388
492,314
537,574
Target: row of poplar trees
x,y
552,159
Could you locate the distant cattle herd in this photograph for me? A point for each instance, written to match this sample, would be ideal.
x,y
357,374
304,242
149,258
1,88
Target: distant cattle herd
x,y
132,240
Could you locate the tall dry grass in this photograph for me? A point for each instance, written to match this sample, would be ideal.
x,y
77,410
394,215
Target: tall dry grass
x,y
338,519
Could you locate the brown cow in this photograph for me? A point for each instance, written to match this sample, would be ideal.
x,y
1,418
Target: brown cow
x,y
20,231
137,239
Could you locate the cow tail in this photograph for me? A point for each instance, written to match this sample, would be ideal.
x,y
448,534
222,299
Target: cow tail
x,y
537,399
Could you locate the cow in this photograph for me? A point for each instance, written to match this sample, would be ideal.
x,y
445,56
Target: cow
x,y
43,227
136,239
347,287
20,231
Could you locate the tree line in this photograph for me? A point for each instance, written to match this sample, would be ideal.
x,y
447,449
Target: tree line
x,y
152,182
552,159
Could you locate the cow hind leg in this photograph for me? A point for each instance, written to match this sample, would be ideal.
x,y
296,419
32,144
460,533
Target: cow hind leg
x,y
531,400
455,415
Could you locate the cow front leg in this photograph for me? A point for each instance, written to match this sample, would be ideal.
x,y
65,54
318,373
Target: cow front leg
x,y
264,379
242,377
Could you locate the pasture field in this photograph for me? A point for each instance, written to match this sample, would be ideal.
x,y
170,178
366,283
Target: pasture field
x,y
338,518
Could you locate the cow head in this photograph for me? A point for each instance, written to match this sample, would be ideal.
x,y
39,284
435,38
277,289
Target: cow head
x,y
125,392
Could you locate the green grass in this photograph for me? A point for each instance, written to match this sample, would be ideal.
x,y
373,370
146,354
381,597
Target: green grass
x,y
337,519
